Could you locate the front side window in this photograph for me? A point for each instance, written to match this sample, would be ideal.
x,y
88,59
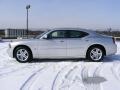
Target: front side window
x,y
58,34
77,34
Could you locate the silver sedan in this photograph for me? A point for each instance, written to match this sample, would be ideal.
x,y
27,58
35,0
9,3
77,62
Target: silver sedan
x,y
64,43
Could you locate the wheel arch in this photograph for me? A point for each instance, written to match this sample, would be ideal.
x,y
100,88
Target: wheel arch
x,y
97,45
22,46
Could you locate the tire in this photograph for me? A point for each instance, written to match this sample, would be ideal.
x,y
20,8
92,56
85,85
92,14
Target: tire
x,y
23,54
95,54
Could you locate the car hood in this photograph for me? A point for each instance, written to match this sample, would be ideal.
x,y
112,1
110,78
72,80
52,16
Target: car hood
x,y
23,41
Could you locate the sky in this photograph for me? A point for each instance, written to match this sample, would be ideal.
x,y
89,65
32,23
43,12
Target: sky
x,y
93,14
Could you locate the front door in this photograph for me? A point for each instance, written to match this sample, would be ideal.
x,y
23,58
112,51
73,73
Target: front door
x,y
54,46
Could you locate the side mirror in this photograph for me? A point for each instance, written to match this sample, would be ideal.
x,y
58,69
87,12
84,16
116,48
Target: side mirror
x,y
45,37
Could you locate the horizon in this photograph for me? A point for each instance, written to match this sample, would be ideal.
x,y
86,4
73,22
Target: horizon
x,y
95,14
45,29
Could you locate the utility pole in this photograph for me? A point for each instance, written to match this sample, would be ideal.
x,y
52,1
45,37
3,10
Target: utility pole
x,y
27,21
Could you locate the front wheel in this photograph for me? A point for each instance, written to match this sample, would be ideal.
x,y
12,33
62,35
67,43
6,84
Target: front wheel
x,y
22,54
95,54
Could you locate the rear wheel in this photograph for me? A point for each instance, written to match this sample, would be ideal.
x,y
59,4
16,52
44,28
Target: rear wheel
x,y
23,54
95,54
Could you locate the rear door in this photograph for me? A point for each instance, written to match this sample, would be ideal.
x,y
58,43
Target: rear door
x,y
76,43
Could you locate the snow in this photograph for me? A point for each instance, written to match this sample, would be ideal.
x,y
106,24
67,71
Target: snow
x,y
59,75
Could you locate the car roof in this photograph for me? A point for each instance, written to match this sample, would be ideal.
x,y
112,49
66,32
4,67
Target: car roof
x,y
78,29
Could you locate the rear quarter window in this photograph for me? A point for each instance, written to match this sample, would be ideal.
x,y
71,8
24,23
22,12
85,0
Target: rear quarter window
x,y
77,34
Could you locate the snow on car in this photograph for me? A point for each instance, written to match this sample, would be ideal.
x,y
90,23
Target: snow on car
x,y
64,43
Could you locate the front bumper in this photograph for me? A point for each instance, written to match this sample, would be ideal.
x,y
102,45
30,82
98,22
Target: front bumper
x,y
10,52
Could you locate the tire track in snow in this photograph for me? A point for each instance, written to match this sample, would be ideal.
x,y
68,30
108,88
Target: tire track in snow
x,y
66,84
55,79
32,83
65,78
13,69
92,83
72,77
31,79
96,74
69,76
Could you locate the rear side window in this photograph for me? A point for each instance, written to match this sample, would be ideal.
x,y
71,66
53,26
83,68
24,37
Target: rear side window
x,y
76,34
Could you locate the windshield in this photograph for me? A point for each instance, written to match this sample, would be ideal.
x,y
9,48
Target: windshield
x,y
39,36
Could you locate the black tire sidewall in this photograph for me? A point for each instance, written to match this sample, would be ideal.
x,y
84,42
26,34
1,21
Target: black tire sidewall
x,y
90,59
29,55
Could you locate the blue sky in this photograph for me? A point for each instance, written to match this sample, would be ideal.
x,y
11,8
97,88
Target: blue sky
x,y
94,14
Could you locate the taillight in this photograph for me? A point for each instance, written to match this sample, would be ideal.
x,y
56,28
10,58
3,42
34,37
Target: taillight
x,y
113,39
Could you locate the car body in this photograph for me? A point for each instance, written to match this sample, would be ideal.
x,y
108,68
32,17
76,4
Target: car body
x,y
64,43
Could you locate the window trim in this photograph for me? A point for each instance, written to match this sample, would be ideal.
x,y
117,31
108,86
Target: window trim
x,y
67,34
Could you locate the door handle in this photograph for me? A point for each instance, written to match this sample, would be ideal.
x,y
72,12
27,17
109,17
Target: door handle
x,y
61,41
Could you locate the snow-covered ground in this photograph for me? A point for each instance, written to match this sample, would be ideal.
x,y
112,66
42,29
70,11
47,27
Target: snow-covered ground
x,y
59,75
